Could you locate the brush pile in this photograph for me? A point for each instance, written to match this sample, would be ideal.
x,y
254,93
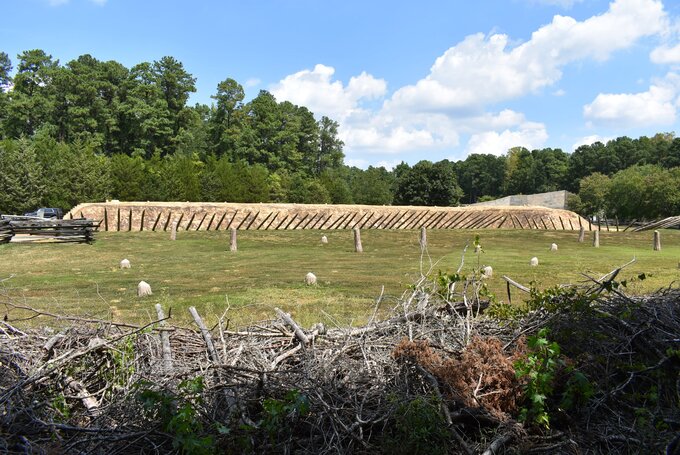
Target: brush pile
x,y
438,376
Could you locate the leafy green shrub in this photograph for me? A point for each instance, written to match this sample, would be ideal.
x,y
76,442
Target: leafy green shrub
x,y
279,414
417,427
541,370
178,415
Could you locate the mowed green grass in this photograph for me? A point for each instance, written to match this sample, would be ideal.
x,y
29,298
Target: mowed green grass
x,y
268,270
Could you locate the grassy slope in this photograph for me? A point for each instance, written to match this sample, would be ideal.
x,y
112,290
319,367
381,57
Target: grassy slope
x,y
269,269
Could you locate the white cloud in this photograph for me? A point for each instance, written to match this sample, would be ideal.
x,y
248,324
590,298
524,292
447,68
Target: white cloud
x,y
530,135
453,101
253,82
665,55
482,70
589,140
656,106
316,90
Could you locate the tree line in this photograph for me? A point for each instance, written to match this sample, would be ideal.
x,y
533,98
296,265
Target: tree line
x,y
91,130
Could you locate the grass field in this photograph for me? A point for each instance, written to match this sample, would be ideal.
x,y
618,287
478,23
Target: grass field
x,y
269,268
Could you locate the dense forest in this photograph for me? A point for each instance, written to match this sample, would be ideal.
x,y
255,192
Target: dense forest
x,y
91,130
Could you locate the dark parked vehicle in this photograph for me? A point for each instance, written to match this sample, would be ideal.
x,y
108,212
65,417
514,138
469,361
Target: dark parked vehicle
x,y
47,212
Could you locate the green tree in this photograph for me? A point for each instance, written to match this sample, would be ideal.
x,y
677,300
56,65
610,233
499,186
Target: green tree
x,y
21,179
181,177
304,190
644,192
372,186
336,183
224,121
76,172
594,194
128,176
330,154
428,184
175,85
5,82
481,175
5,70
31,101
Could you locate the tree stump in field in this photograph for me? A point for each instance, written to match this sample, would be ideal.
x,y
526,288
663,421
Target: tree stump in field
x,y
657,241
233,247
581,234
357,241
596,239
173,231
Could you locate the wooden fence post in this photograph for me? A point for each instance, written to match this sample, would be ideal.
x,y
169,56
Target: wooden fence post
x,y
233,247
581,234
423,238
657,241
596,239
357,241
173,231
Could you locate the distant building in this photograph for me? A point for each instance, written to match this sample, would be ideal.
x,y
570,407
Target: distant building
x,y
553,200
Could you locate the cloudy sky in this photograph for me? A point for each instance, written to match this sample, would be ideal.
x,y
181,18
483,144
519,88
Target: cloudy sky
x,y
406,80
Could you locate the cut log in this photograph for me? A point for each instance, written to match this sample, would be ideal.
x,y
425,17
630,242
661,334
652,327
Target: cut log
x,y
299,333
205,333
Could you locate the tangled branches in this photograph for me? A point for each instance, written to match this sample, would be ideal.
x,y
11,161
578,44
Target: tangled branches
x,y
435,377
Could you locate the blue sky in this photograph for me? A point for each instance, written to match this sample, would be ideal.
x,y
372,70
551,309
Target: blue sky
x,y
406,80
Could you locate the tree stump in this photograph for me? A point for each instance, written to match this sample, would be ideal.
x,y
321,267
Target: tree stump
x,y
657,241
581,234
357,241
596,239
423,238
233,247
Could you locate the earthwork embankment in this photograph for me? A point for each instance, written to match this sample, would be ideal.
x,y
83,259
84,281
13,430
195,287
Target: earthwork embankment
x,y
159,216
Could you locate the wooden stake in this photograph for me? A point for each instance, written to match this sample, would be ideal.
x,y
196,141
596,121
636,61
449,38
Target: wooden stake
x,y
581,234
165,340
596,239
173,231
657,241
423,238
357,241
233,247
